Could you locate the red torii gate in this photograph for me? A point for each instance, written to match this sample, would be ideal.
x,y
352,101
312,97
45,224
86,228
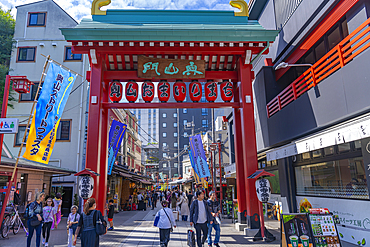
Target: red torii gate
x,y
114,39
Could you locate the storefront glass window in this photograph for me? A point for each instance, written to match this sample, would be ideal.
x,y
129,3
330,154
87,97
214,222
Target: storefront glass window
x,y
306,156
316,153
274,182
342,179
329,150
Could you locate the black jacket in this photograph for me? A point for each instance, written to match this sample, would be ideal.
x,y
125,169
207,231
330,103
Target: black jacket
x,y
194,212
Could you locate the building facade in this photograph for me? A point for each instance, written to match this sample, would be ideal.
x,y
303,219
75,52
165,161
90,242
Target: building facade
x,y
36,34
312,119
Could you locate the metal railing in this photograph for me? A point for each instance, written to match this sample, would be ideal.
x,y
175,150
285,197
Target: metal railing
x,y
338,57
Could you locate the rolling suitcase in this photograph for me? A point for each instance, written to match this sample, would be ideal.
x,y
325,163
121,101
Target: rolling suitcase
x,y
176,215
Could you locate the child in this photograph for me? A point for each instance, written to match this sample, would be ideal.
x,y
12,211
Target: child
x,y
58,209
165,223
72,223
110,215
49,218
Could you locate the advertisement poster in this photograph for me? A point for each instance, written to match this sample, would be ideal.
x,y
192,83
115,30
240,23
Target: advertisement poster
x,y
353,216
297,230
116,133
49,109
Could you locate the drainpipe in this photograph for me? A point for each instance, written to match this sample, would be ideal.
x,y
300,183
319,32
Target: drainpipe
x,y
259,54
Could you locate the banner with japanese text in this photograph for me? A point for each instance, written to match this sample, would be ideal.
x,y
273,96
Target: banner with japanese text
x,y
55,91
116,133
161,175
198,156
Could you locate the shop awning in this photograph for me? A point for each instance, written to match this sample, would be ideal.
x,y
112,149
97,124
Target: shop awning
x,y
125,175
180,181
145,181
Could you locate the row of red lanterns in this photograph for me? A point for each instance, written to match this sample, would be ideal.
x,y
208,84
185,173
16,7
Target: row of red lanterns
x,y
164,91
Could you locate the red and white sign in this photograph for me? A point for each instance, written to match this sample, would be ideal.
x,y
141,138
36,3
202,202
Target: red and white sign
x,y
195,91
179,91
147,91
115,91
164,91
132,91
210,91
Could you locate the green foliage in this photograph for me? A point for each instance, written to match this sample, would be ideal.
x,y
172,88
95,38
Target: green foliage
x,y
7,24
76,200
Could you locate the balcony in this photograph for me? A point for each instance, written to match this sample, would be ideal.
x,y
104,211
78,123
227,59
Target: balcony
x,y
352,46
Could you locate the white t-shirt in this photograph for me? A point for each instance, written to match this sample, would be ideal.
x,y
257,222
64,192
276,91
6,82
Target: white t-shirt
x,y
202,215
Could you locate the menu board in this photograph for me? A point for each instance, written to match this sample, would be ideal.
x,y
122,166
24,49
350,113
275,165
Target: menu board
x,y
297,230
324,231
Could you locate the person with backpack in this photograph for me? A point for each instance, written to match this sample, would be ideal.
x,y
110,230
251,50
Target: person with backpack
x,y
72,223
34,215
88,225
165,221
49,217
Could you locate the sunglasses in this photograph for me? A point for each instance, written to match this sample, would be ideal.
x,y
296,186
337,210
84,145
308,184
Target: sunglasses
x,y
49,201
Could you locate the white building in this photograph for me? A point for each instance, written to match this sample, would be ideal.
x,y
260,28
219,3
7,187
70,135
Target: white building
x,y
36,33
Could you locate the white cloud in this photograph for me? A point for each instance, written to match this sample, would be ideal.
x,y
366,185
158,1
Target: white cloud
x,y
79,9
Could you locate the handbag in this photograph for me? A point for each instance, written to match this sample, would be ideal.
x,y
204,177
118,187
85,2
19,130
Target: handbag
x,y
171,230
156,220
100,229
191,238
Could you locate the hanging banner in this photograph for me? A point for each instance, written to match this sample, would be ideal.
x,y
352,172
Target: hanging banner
x,y
161,175
52,100
116,133
198,156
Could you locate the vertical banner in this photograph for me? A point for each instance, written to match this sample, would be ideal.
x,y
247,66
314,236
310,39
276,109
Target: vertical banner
x,y
116,133
50,105
199,156
161,175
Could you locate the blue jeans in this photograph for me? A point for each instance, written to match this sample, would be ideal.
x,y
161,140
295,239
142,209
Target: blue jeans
x,y
218,233
30,233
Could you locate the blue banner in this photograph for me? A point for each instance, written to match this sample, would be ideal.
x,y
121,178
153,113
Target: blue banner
x,y
55,91
198,156
116,133
161,175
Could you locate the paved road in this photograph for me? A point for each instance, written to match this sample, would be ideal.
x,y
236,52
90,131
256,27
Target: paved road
x,y
136,228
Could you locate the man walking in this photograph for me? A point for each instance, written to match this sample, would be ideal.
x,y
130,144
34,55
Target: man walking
x,y
215,209
154,200
200,216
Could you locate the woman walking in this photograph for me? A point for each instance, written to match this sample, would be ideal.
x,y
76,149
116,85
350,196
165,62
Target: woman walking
x,y
58,209
86,224
34,222
165,223
72,223
173,201
49,218
184,207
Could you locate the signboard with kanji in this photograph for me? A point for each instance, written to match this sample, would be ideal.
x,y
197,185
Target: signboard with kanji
x,y
160,68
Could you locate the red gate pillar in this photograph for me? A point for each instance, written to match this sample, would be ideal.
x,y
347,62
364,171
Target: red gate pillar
x,y
249,142
240,178
94,135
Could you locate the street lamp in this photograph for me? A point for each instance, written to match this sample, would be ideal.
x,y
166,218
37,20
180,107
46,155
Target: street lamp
x,y
284,65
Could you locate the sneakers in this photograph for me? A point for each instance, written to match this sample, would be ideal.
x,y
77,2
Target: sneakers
x,y
43,241
217,245
46,244
110,228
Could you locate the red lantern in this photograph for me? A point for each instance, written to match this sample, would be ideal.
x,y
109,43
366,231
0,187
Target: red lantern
x,y
115,91
210,91
147,91
226,91
179,91
164,91
132,91
195,90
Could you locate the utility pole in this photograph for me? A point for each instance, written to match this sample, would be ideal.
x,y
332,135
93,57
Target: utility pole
x,y
213,158
178,142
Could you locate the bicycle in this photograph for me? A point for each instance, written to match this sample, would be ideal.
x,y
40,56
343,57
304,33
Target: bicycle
x,y
12,221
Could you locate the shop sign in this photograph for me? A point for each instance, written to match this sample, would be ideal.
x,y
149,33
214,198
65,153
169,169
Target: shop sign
x,y
160,68
9,125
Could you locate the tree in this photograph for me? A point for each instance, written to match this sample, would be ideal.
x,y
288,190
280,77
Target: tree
x,y
7,24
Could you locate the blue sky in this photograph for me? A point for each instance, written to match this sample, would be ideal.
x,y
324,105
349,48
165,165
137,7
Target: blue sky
x,y
79,9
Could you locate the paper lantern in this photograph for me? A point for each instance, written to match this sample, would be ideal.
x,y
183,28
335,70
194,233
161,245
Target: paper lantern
x,y
195,91
210,91
132,91
85,187
179,91
263,190
115,91
164,91
226,91
147,91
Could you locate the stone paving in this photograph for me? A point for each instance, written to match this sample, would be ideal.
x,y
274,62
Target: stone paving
x,y
136,228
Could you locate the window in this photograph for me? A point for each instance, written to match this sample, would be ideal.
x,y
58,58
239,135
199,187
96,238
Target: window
x,y
175,124
164,115
164,164
31,95
185,122
205,123
175,144
63,132
204,111
341,179
69,56
36,19
185,134
164,144
26,54
175,114
164,125
174,134
164,134
175,165
174,154
184,110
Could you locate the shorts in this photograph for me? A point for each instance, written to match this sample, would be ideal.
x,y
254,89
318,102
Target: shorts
x,y
110,219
